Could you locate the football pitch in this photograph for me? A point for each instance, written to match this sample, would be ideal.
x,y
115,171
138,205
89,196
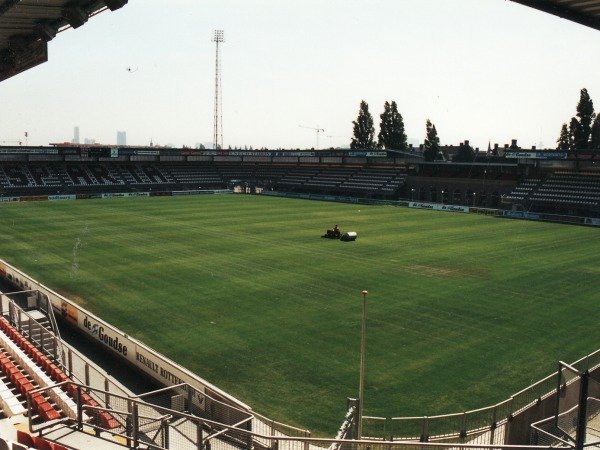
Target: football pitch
x,y
463,310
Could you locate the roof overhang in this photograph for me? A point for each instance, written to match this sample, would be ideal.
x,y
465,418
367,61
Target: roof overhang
x,y
584,12
26,27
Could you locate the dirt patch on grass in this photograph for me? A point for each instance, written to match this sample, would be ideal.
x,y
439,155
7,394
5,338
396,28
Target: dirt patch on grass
x,y
446,272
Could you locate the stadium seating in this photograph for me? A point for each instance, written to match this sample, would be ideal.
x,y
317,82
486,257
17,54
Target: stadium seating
x,y
566,191
567,188
40,371
36,442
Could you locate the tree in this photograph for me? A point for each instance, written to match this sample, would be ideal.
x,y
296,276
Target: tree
x,y
363,129
585,112
576,135
564,140
391,130
595,141
432,142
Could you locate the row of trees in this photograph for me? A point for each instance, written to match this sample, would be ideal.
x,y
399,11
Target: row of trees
x,y
583,132
391,131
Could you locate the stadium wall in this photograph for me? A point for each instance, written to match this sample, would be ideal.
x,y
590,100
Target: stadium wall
x,y
147,360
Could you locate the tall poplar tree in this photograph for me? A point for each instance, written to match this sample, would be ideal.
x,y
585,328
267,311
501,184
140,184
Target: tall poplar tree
x,y
364,131
576,134
564,140
391,129
595,141
432,142
585,113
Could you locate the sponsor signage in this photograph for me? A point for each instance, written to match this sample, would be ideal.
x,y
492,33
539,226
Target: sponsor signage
x,y
439,207
125,194
368,154
114,152
9,199
28,151
146,152
62,197
536,155
521,215
105,335
69,312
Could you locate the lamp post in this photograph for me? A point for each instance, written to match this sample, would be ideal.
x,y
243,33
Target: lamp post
x,y
361,382
412,194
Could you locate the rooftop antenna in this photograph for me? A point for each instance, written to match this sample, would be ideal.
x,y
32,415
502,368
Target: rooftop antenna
x,y
218,119
317,130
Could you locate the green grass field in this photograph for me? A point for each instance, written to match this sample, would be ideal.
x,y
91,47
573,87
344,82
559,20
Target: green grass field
x,y
463,310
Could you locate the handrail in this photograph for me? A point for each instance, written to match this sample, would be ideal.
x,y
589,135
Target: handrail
x,y
263,418
57,338
553,436
513,398
325,442
54,325
225,429
168,388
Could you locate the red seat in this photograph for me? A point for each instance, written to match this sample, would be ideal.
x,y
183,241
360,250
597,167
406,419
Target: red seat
x,y
11,370
71,390
108,421
59,447
51,414
25,438
38,356
47,412
26,387
41,443
46,363
17,376
59,376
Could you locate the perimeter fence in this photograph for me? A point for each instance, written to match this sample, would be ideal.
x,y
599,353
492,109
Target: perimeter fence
x,y
143,424
490,425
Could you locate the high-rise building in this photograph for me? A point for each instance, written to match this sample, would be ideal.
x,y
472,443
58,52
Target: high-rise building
x,y
76,135
121,138
89,141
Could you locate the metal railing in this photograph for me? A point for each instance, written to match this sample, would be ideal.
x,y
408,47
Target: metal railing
x,y
141,423
69,360
481,426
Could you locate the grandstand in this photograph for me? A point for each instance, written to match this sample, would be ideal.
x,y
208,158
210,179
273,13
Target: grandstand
x,y
559,183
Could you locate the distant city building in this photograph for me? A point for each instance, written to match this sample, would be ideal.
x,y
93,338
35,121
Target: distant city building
x,y
89,141
76,135
121,138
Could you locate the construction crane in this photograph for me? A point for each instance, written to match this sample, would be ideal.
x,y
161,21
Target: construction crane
x,y
317,130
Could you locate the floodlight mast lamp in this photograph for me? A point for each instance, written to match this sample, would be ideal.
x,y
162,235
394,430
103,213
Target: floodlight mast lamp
x,y
361,381
218,119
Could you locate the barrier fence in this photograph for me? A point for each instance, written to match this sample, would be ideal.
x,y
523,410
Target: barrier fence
x,y
488,425
140,423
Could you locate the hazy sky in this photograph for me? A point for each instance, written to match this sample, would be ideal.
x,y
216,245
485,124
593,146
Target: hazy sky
x,y
479,69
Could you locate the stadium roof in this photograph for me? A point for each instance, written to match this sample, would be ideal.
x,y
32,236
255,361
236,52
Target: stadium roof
x,y
585,12
26,27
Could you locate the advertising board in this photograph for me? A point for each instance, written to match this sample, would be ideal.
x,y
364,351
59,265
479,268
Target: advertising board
x,y
439,207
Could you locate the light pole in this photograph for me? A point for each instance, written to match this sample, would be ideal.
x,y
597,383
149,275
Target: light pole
x,y
361,382
412,194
